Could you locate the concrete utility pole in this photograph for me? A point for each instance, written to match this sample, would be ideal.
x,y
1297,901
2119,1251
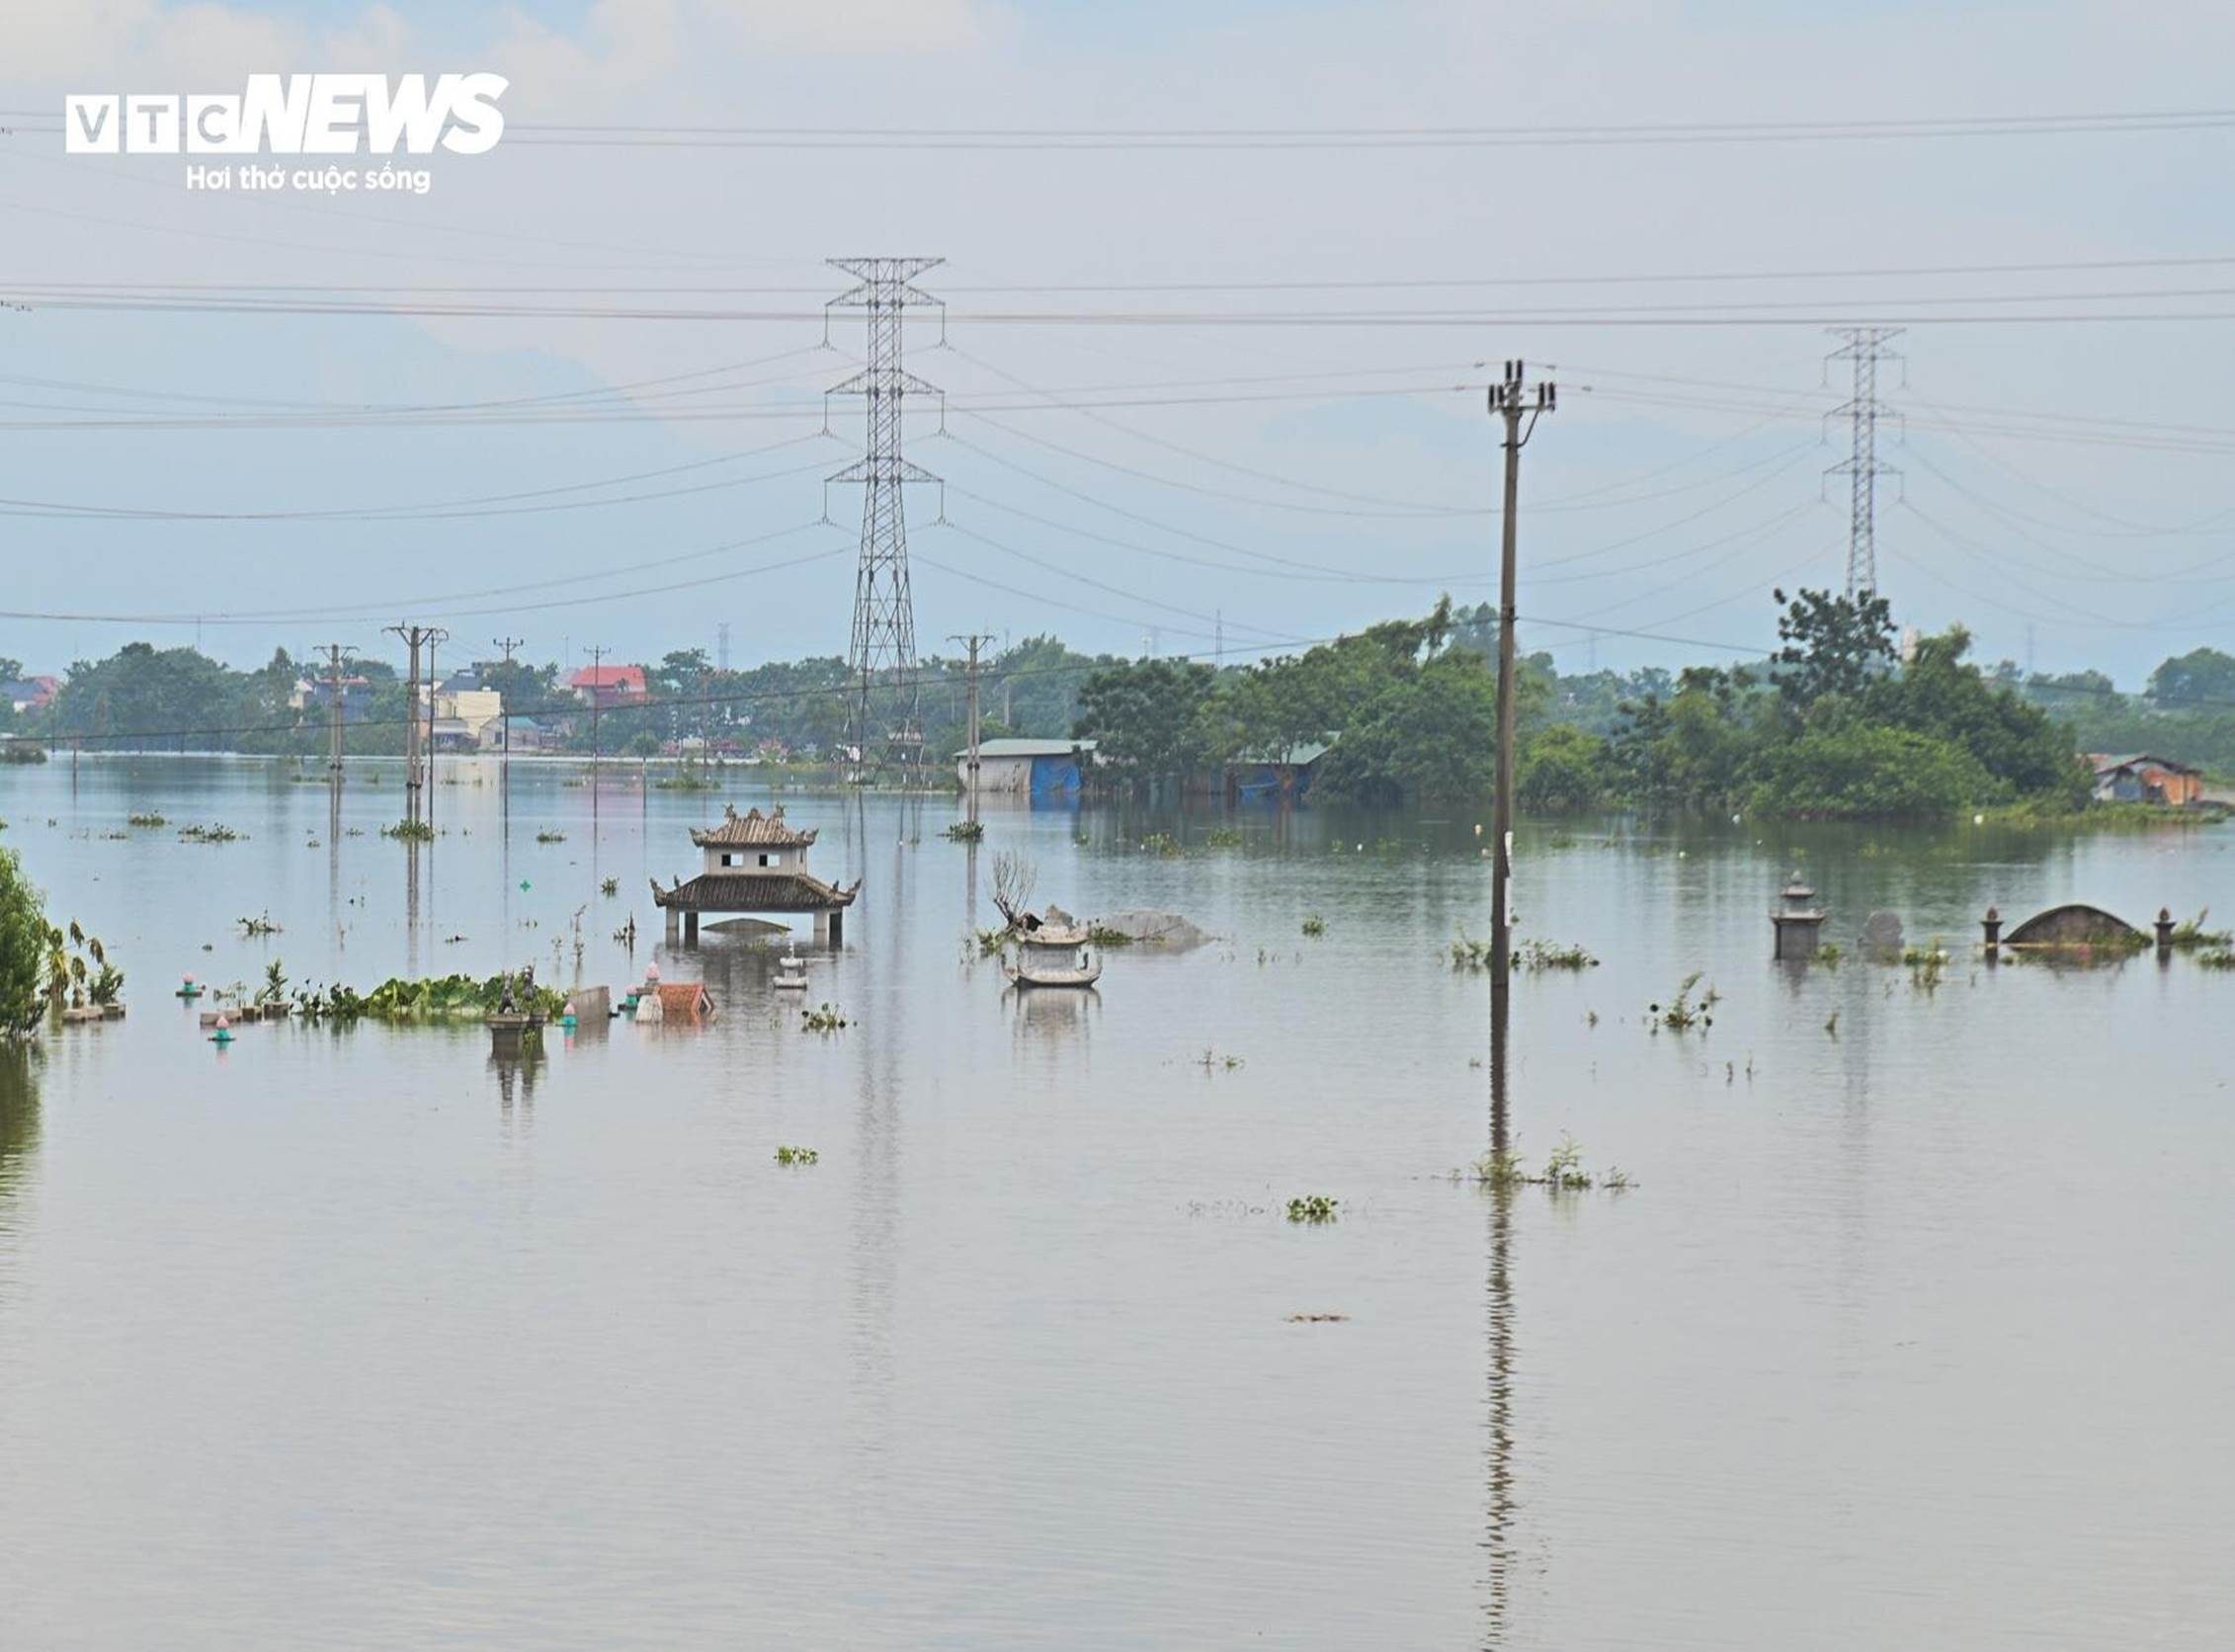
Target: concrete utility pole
x,y
974,643
1508,402
334,653
414,636
597,687
436,634
503,714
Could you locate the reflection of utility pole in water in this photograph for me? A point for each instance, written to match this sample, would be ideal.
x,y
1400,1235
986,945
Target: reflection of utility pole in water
x,y
411,907
1498,1534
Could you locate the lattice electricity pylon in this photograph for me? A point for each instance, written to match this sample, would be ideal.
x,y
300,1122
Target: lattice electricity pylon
x,y
883,722
1866,347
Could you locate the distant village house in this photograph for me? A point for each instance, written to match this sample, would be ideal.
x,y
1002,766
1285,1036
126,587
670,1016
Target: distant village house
x,y
608,686
1028,767
2143,779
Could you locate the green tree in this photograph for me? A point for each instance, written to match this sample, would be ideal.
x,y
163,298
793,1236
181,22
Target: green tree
x,y
22,951
2017,747
1429,735
1842,767
1833,644
2199,676
1561,768
1144,717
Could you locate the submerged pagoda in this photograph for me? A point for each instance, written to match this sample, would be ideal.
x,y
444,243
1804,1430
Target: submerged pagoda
x,y
754,863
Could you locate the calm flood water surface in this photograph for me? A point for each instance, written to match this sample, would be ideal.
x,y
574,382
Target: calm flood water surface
x,y
1912,1332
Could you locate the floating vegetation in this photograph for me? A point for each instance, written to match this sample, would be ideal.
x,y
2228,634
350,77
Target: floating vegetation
x,y
1164,844
1502,1170
965,831
2218,957
209,834
262,925
546,834
410,831
1314,925
2190,934
1542,954
823,1017
443,997
1682,1015
20,751
1832,1025
1103,936
796,1155
273,991
146,820
1318,1318
1315,1209
1828,954
1223,837
1212,1061
608,886
991,941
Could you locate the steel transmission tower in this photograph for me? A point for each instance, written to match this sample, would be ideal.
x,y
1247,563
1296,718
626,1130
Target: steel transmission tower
x,y
1865,348
883,723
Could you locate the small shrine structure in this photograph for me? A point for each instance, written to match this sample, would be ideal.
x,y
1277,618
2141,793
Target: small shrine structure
x,y
754,864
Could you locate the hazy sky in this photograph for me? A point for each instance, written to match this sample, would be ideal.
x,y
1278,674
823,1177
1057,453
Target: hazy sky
x,y
2065,487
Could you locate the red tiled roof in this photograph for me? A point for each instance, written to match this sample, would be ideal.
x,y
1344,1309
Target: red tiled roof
x,y
609,677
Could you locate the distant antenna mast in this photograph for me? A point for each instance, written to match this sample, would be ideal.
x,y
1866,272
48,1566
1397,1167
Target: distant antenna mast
x,y
1865,348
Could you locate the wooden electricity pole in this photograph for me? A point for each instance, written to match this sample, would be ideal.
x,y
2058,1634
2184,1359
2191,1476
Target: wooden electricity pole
x,y
1508,402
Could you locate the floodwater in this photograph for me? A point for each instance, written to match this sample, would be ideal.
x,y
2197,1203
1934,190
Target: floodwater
x,y
1912,1332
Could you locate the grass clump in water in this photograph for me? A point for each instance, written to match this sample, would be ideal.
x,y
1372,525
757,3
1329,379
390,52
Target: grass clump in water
x,y
1542,954
1315,926
965,831
1317,1210
1682,1014
410,831
1502,1171
546,834
2189,934
1223,837
146,820
219,833
823,1017
797,1156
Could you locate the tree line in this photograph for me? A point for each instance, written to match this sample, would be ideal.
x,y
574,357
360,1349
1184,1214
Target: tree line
x,y
1835,722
